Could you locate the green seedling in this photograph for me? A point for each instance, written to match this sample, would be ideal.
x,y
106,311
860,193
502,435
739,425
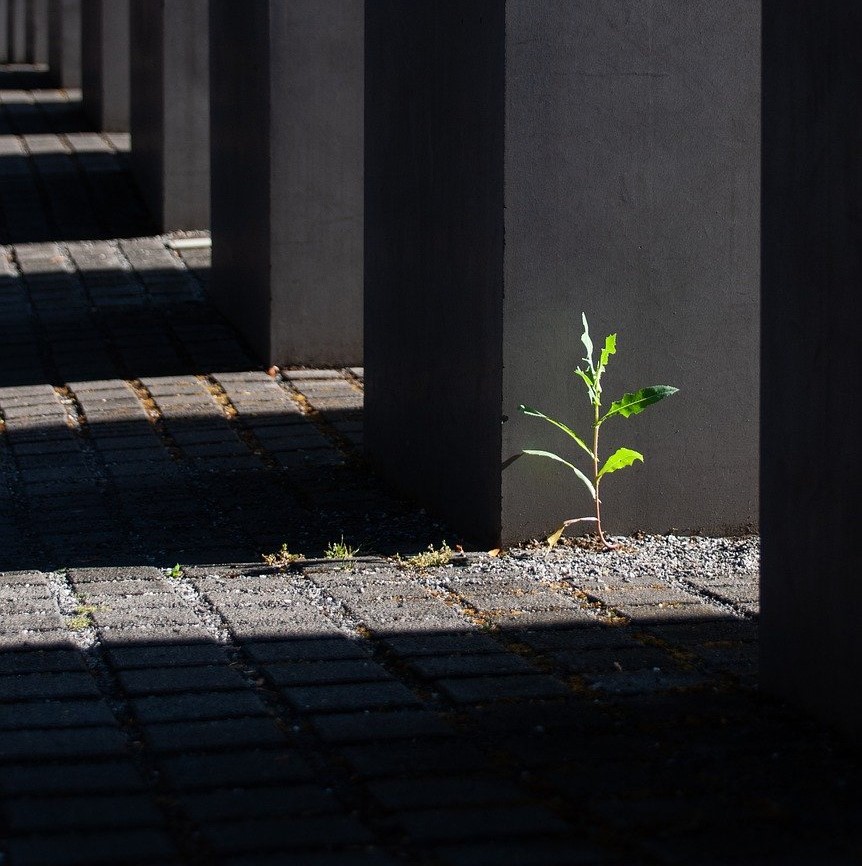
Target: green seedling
x,y
83,619
282,558
629,404
429,558
340,550
176,572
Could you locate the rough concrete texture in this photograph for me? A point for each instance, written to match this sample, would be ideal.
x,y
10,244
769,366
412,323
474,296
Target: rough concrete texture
x,y
170,110
105,51
17,31
64,43
37,31
811,273
616,151
287,177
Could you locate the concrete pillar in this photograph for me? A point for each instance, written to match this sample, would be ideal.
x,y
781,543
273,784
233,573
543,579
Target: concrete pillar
x,y
170,110
4,31
105,63
287,176
64,42
17,31
811,643
527,161
37,31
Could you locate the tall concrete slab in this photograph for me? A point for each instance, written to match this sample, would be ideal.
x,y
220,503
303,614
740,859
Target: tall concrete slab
x,y
4,31
64,42
105,51
287,170
37,31
527,161
811,480
17,31
170,110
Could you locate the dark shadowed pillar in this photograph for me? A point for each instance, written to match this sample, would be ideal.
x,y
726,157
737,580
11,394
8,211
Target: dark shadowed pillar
x,y
105,63
64,42
527,161
17,31
170,110
811,642
37,31
4,31
287,96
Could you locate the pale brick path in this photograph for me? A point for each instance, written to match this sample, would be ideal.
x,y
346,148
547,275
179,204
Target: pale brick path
x,y
234,714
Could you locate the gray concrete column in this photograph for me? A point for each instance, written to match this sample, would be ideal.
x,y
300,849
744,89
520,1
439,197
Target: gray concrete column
x,y
4,31
527,161
811,482
105,63
37,31
64,42
287,176
17,31
170,110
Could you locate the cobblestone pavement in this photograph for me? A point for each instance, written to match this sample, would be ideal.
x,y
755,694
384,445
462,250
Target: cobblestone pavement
x,y
230,713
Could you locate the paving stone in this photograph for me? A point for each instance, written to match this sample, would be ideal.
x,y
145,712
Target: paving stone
x,y
127,847
429,792
41,661
288,834
361,857
400,758
213,734
350,696
153,681
491,664
321,672
53,814
171,655
310,649
55,714
532,853
438,825
188,707
647,680
260,801
376,725
66,743
501,688
69,684
236,769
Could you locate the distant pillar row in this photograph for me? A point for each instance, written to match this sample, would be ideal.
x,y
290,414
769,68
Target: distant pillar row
x,y
287,220
105,63
64,43
170,110
37,31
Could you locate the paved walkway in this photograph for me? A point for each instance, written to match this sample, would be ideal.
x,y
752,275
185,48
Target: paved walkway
x,y
238,714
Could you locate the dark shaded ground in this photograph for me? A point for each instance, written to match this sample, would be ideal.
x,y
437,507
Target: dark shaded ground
x,y
238,715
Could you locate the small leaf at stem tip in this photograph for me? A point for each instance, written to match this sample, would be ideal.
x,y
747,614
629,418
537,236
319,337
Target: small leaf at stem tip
x,y
588,343
635,403
550,455
609,349
621,458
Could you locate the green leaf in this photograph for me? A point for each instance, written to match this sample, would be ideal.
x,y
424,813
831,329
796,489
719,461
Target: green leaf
x,y
634,404
552,456
609,349
588,343
535,413
621,458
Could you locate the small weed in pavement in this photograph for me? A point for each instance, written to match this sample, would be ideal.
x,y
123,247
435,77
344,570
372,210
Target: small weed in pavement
x,y
429,558
282,557
82,619
176,572
340,550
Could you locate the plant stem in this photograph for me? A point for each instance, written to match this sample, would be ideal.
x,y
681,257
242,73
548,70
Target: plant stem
x,y
596,480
